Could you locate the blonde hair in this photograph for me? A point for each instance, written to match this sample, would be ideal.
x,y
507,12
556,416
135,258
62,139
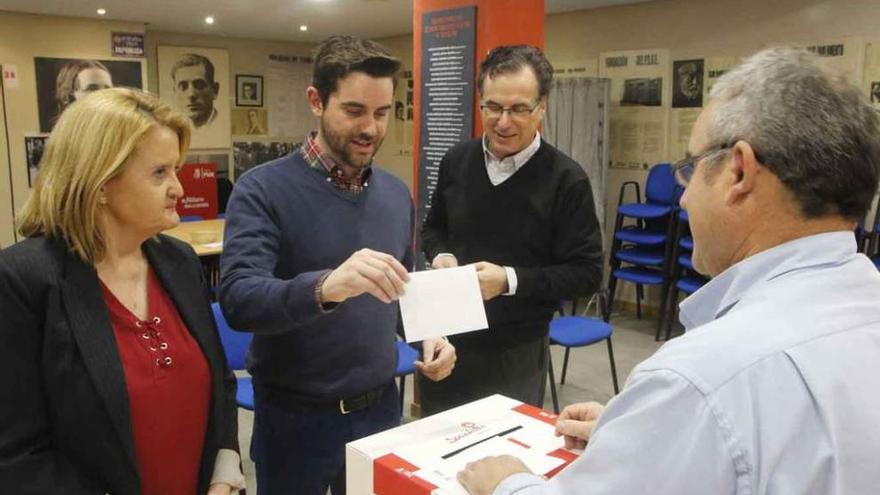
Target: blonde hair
x,y
89,146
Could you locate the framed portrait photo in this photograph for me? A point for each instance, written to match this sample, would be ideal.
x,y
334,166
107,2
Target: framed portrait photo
x,y
248,90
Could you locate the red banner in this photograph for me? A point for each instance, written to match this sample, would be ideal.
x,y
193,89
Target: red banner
x,y
199,181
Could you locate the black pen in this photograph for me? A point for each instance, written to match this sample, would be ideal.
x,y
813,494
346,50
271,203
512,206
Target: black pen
x,y
505,432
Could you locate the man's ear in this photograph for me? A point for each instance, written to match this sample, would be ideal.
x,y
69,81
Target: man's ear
x,y
315,101
744,167
216,88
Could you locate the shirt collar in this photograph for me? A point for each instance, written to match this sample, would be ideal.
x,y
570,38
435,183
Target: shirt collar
x,y
520,158
324,163
723,292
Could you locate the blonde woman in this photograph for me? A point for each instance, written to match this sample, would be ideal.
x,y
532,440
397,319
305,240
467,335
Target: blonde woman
x,y
115,380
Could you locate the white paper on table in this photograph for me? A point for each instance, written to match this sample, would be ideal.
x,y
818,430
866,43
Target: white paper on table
x,y
213,245
436,303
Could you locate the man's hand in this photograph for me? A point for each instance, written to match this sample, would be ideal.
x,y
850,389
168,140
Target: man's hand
x,y
438,359
444,261
366,271
483,476
219,489
493,279
576,423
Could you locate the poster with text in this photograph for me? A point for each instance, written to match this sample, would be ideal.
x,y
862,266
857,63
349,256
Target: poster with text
x,y
639,106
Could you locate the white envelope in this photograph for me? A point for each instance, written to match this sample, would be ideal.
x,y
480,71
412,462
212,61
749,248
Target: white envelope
x,y
437,303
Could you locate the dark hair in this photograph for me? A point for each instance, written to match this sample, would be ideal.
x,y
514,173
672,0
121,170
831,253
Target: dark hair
x,y
815,131
336,56
512,58
191,60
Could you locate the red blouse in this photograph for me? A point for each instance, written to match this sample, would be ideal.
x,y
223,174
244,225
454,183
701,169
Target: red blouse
x,y
169,391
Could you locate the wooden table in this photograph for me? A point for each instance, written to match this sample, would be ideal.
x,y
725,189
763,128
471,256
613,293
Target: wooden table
x,y
205,236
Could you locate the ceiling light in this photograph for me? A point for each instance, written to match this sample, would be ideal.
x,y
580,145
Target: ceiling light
x,y
102,11
209,20
303,28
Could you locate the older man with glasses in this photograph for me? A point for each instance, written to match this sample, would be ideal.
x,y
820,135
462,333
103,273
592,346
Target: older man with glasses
x,y
774,387
523,213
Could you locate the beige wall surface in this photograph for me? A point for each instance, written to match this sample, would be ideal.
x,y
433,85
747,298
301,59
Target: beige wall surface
x,y
25,37
398,161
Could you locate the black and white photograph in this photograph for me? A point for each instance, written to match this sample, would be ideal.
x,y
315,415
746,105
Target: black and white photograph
x,y
642,91
687,83
196,82
62,81
248,91
249,154
875,91
249,121
34,146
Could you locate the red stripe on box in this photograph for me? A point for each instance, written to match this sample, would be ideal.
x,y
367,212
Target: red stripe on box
x,y
521,444
537,413
394,476
563,454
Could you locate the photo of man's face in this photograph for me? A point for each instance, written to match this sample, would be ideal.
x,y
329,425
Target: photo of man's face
x,y
690,80
249,91
875,92
194,92
91,79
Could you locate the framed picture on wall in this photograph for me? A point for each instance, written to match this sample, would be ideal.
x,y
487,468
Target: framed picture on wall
x,y
34,145
248,90
196,82
61,81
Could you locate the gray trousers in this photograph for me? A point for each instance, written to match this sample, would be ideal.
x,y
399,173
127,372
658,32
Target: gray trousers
x,y
517,370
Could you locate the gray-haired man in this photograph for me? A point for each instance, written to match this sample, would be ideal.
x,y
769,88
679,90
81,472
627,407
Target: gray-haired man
x,y
774,387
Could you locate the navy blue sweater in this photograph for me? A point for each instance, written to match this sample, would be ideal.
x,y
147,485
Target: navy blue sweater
x,y
286,226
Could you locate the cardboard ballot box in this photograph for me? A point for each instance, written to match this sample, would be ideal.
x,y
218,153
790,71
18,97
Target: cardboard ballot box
x,y
423,457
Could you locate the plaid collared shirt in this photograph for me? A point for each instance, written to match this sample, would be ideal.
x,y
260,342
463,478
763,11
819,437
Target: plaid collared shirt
x,y
324,163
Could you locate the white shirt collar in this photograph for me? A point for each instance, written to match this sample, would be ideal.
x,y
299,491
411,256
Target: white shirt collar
x,y
500,169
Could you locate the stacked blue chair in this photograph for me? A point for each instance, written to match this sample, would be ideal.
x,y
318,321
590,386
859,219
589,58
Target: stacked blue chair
x,y
641,252
683,277
579,331
236,344
406,358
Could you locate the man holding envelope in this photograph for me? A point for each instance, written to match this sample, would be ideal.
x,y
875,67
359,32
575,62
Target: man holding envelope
x,y
523,213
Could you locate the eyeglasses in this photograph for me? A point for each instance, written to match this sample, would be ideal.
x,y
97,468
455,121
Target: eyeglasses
x,y
518,111
684,169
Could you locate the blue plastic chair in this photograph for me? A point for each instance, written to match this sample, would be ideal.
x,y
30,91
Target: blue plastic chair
x,y
406,358
579,331
683,277
236,344
640,253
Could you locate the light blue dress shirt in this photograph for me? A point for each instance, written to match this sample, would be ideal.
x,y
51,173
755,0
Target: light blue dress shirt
x,y
774,389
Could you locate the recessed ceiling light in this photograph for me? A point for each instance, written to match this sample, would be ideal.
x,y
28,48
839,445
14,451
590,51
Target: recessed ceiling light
x,y
102,11
303,28
209,20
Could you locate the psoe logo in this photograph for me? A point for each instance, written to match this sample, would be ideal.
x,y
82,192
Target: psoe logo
x,y
468,428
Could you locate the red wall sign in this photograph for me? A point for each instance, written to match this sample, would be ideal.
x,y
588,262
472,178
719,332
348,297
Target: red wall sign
x,y
199,181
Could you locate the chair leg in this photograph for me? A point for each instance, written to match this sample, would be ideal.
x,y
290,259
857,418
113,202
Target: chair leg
x,y
639,301
664,305
673,310
613,366
612,286
564,366
552,381
402,390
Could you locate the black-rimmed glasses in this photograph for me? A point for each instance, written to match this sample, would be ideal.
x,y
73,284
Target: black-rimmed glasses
x,y
518,111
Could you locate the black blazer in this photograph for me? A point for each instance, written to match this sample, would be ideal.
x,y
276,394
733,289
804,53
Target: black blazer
x,y
65,426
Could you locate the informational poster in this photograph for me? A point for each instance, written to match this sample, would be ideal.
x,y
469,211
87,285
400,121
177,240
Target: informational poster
x,y
871,81
400,134
844,57
287,78
682,118
199,181
639,106
447,94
